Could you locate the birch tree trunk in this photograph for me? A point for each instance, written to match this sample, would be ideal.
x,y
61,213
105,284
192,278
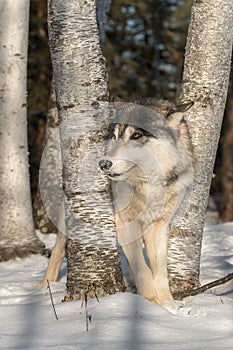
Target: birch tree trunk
x,y
205,81
80,79
17,234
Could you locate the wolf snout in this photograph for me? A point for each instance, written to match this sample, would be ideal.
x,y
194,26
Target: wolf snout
x,y
105,164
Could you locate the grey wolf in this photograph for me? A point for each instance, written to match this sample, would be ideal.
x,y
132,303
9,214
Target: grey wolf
x,y
149,163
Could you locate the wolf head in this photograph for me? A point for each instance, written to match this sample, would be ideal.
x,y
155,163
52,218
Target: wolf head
x,y
145,144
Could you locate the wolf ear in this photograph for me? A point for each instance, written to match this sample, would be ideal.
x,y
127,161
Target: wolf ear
x,y
175,114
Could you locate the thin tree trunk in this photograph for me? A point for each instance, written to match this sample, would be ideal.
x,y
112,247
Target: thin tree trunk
x,y
205,81
17,234
80,79
46,209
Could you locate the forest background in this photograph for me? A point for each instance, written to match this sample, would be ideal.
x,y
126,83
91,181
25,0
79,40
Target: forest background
x,y
144,49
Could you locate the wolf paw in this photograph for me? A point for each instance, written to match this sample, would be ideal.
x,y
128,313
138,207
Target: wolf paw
x,y
177,308
172,306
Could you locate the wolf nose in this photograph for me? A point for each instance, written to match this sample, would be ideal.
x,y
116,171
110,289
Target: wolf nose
x,y
105,164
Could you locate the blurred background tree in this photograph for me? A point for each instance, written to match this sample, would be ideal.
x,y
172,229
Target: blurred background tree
x,y
144,49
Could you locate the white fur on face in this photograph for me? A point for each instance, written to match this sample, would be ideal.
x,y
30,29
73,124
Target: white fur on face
x,y
147,158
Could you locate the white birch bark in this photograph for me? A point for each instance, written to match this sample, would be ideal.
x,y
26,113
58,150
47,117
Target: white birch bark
x,y
17,234
205,82
81,88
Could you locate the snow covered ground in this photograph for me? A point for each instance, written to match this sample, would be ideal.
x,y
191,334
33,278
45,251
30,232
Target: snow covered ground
x,y
118,322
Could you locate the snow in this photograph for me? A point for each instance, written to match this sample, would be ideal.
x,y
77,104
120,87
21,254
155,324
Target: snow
x,y
118,322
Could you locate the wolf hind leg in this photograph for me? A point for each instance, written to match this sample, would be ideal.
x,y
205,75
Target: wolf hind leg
x,y
138,268
156,244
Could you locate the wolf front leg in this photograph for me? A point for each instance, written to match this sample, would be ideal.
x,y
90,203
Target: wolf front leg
x,y
156,244
58,252
138,268
55,260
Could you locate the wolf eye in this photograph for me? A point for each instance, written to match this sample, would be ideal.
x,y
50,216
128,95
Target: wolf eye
x,y
136,136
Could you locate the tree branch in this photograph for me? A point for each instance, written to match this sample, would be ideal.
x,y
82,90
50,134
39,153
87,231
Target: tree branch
x,y
51,298
187,293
